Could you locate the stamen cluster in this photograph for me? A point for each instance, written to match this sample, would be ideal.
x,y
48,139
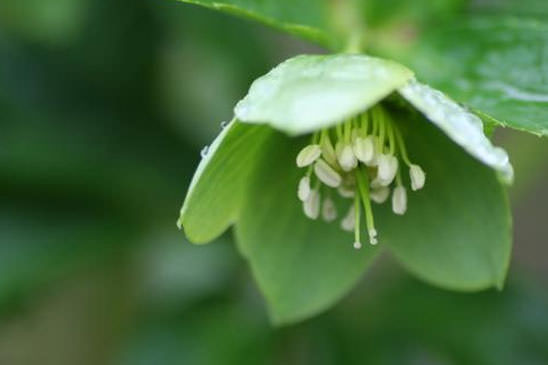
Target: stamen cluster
x,y
363,165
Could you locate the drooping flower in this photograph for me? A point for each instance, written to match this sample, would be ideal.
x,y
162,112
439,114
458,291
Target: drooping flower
x,y
319,139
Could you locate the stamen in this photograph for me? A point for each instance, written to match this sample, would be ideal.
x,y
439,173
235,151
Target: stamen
x,y
345,156
364,149
311,206
345,191
401,146
388,167
363,185
308,155
380,195
327,174
399,200
328,152
417,176
391,141
329,211
349,220
303,192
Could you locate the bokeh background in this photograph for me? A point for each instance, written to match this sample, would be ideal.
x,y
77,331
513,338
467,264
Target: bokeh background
x,y
105,106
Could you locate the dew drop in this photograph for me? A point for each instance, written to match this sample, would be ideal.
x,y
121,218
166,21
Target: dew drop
x,y
204,151
224,123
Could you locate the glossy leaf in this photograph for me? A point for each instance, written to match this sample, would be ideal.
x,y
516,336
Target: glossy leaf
x,y
456,232
305,18
309,92
215,194
496,65
301,266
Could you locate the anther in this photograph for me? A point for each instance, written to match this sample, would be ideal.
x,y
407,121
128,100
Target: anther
x,y
399,200
304,188
345,156
308,155
327,174
388,167
380,195
311,206
417,176
348,222
364,149
329,211
345,191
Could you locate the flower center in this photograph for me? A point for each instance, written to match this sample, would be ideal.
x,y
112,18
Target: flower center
x,y
364,164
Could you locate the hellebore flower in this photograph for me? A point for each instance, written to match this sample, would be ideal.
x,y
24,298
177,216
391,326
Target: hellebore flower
x,y
315,151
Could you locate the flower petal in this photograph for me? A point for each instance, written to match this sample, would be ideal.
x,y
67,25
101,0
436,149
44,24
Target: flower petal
x,y
310,92
462,126
302,266
217,189
456,232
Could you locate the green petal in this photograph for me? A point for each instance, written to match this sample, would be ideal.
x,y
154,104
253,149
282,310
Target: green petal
x,y
463,127
215,194
307,93
301,266
456,232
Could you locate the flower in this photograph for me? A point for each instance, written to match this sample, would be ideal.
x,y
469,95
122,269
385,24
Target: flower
x,y
313,145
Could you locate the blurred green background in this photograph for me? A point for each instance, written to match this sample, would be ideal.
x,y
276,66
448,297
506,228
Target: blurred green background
x,y
105,106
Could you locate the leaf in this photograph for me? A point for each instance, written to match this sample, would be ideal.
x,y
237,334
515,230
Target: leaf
x,y
310,92
301,266
463,127
217,188
497,65
456,232
305,18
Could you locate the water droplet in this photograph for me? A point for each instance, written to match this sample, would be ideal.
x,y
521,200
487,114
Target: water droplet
x,y
204,151
224,123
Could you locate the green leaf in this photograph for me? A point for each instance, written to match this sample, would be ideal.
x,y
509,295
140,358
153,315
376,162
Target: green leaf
x,y
301,266
464,128
497,65
216,191
310,92
456,232
305,18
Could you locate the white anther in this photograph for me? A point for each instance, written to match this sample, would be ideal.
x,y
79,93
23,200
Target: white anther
x,y
345,156
357,245
304,188
311,206
379,195
345,191
364,149
372,236
326,174
417,176
399,200
329,211
388,167
349,220
308,155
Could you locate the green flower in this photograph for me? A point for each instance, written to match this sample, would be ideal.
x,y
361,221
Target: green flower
x,y
317,148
